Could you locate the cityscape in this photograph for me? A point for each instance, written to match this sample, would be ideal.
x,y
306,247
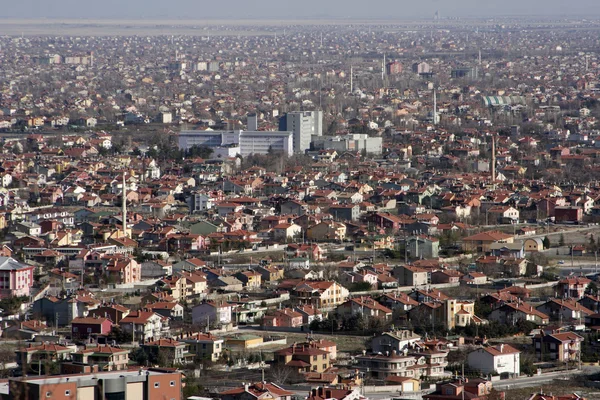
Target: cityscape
x,y
323,208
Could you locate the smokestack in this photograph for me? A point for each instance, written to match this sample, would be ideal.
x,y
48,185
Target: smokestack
x,y
493,169
124,207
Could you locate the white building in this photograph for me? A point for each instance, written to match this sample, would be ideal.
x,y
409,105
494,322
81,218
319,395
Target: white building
x,y
351,142
304,125
231,143
211,313
200,202
500,358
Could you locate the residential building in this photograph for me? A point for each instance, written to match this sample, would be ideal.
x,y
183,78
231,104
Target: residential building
x,y
409,275
472,389
142,384
84,327
572,287
145,325
366,307
397,340
511,313
565,311
107,358
302,358
481,242
499,359
16,278
320,294
287,318
168,351
205,346
257,391
561,347
210,312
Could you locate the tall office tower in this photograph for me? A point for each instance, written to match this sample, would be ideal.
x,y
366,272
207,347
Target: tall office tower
x,y
252,123
303,124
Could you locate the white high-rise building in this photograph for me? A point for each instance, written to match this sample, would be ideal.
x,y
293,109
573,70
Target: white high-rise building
x,y
303,124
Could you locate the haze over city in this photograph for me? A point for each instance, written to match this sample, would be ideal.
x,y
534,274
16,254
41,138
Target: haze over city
x,y
235,9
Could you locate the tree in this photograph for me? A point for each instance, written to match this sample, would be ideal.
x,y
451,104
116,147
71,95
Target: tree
x,y
546,242
591,289
281,376
561,240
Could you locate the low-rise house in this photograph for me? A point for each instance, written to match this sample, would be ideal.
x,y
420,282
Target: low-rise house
x,y
250,279
397,340
474,278
84,327
472,389
205,346
168,351
511,313
398,301
211,312
257,391
572,287
320,294
309,314
364,306
409,275
107,358
496,359
16,278
423,247
168,309
560,347
286,318
328,393
37,356
302,358
145,325
565,310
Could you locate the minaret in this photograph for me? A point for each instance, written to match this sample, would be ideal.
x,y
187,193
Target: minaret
x,y
351,80
124,207
434,107
493,166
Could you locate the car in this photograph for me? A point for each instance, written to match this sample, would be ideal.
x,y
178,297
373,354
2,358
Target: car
x,y
561,262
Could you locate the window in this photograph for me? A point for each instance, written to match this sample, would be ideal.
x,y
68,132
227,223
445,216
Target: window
x,y
75,329
172,383
156,385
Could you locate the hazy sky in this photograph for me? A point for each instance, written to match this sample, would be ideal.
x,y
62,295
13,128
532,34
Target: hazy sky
x,y
198,9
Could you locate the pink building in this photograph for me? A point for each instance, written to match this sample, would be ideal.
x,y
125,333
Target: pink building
x,y
16,278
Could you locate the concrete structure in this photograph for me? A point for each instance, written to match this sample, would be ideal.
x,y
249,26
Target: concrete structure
x,y
304,125
205,346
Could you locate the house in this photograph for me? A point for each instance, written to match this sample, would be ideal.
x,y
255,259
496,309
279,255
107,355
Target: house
x,y
309,314
168,351
302,358
445,276
327,231
472,389
257,391
364,306
511,313
499,359
413,362
409,275
114,312
107,358
327,393
502,214
568,214
398,301
205,346
572,287
423,247
284,232
507,250
250,279
565,310
36,355
168,309
84,327
16,278
145,325
560,347
320,294
481,242
286,318
396,340
474,278
211,312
